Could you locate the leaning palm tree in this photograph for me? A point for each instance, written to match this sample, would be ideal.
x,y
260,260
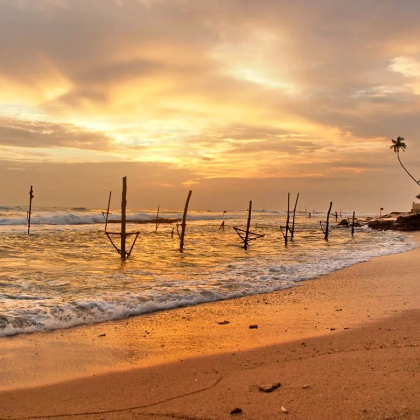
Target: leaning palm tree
x,y
398,145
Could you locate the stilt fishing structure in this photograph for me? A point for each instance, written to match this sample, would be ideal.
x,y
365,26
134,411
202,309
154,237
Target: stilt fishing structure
x,y
157,218
288,229
287,221
29,212
106,215
222,226
352,225
123,234
183,224
292,231
327,225
249,236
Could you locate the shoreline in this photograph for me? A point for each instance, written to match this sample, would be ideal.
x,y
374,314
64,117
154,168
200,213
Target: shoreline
x,y
342,307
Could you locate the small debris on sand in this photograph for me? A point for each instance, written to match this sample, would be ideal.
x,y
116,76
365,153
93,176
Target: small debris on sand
x,y
285,410
223,322
269,387
253,327
102,335
236,411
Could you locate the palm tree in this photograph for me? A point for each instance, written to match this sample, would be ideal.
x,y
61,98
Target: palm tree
x,y
396,146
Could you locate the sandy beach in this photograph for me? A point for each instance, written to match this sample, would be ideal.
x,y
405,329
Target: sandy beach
x,y
345,346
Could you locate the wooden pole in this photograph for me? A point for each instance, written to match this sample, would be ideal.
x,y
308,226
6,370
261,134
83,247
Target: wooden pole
x,y
107,211
123,218
288,218
328,222
157,217
247,226
292,232
31,196
184,218
352,226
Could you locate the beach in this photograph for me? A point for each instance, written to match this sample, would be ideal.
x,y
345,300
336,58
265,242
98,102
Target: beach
x,y
209,210
344,346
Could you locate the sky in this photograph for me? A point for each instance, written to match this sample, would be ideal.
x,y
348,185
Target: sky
x,y
236,100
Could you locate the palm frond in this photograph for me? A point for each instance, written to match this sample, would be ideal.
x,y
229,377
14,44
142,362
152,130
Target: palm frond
x,y
398,144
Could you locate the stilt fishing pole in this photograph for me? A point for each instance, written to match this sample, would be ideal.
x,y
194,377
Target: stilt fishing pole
x,y
29,212
326,231
287,222
157,217
222,226
107,211
183,225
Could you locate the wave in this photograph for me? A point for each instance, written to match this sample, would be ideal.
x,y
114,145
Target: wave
x,y
17,216
236,279
82,216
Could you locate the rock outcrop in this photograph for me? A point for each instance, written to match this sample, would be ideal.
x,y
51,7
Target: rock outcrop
x,y
406,223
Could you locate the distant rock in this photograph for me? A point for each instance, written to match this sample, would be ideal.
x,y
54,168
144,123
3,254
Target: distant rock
x,y
409,223
344,222
382,224
405,223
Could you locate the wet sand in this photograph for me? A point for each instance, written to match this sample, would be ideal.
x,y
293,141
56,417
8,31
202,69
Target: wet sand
x,y
345,346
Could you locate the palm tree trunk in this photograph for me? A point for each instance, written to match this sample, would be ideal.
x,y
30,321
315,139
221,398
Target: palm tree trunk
x,y
411,176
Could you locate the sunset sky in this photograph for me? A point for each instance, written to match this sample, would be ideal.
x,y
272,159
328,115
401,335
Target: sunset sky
x,y
237,100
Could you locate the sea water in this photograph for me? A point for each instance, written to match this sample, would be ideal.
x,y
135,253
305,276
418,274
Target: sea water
x,y
66,272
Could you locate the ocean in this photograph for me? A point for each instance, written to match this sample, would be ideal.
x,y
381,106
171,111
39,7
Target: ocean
x,y
66,272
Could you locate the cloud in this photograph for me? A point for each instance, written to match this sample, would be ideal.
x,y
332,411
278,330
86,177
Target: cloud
x,y
41,134
224,88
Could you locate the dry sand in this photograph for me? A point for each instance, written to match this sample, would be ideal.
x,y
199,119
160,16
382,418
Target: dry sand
x,y
345,346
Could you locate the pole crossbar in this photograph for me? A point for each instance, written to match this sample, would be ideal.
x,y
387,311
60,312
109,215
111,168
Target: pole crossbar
x,y
119,233
108,234
255,235
249,236
286,228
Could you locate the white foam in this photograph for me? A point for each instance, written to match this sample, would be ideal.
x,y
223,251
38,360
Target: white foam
x,y
46,297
